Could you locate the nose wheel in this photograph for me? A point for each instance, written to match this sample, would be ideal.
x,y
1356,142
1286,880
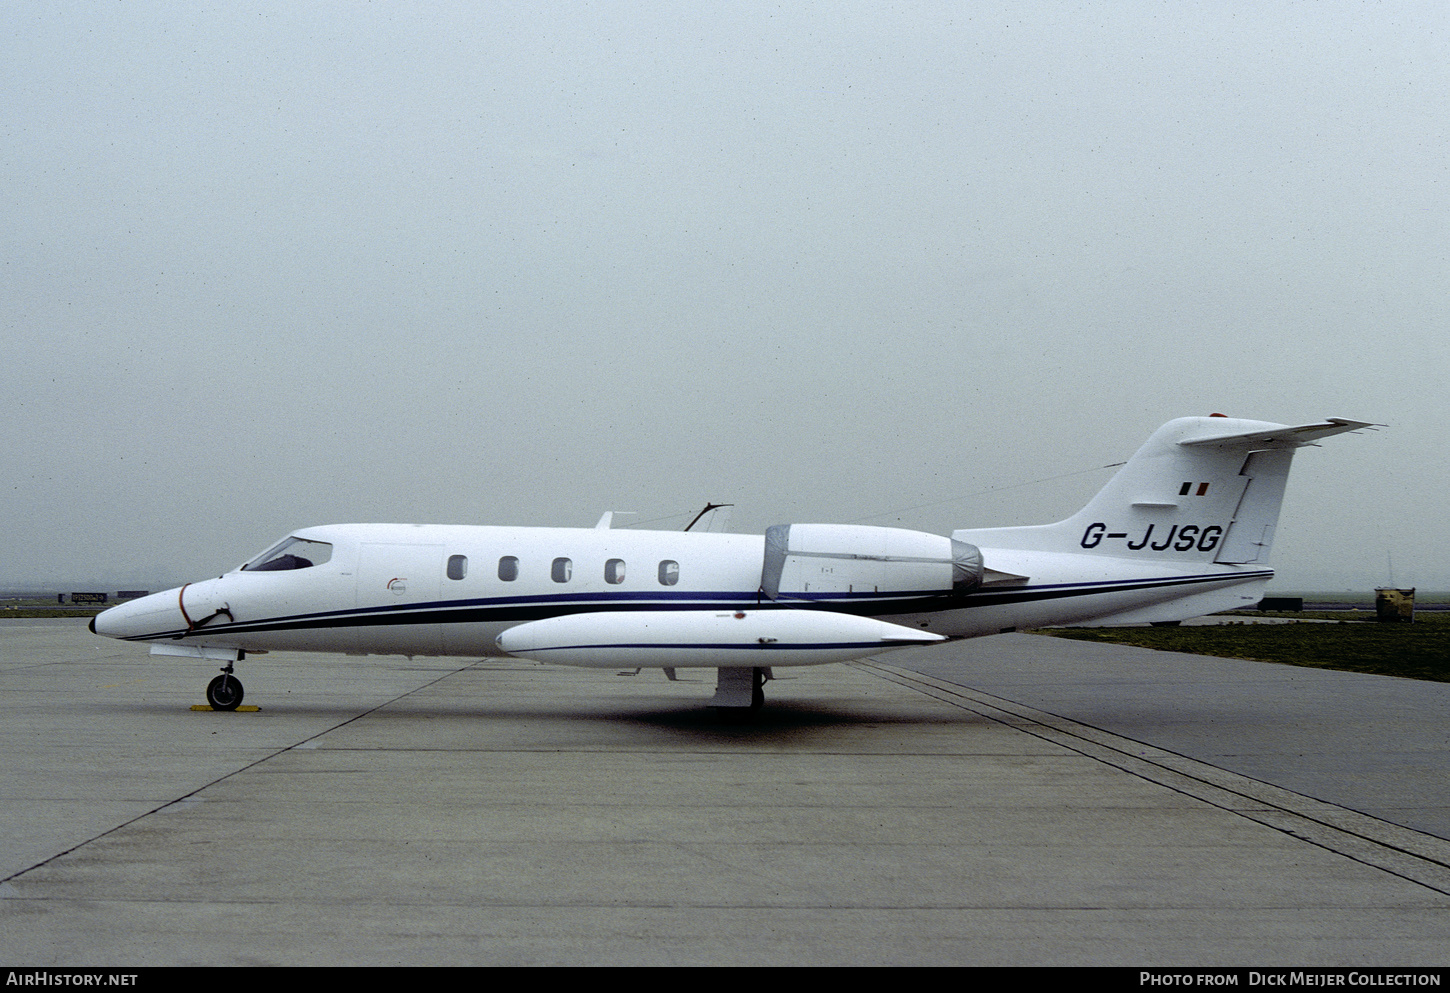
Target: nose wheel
x,y
225,691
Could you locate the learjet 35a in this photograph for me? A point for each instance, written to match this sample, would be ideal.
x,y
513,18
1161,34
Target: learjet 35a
x,y
1182,529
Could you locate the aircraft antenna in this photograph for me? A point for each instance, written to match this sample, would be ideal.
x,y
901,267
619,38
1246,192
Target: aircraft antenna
x,y
708,507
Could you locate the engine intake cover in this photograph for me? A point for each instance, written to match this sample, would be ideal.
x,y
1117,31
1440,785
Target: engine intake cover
x,y
855,558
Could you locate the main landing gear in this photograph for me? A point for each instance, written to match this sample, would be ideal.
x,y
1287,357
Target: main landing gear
x,y
225,691
740,692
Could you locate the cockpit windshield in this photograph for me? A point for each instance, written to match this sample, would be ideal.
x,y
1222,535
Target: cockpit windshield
x,y
291,553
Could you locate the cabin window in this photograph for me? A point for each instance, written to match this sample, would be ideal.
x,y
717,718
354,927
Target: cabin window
x,y
614,571
669,572
508,568
562,570
293,553
457,566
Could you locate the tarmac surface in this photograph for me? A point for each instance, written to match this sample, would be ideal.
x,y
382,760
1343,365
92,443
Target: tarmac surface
x,y
1014,800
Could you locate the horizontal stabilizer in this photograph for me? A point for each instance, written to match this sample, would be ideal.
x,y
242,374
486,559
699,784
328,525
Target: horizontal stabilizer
x,y
1281,437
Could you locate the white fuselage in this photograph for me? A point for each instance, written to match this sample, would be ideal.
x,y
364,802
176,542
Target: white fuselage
x,y
453,590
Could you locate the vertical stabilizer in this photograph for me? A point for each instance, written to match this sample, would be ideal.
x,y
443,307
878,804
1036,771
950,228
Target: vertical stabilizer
x,y
1201,489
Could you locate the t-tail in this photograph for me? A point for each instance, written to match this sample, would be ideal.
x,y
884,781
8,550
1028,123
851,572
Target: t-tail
x,y
1199,500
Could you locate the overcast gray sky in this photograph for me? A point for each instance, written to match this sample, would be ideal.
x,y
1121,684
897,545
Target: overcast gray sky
x,y
274,265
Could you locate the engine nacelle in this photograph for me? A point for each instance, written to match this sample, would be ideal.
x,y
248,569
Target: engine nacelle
x,y
855,558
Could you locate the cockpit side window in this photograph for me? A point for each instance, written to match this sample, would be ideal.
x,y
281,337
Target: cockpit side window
x,y
291,553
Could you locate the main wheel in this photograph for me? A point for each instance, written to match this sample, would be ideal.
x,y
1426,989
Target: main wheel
x,y
224,692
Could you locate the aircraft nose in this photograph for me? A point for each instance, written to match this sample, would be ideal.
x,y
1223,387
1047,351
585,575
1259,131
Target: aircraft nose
x,y
155,615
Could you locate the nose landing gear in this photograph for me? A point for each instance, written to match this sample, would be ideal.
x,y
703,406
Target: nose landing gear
x,y
225,691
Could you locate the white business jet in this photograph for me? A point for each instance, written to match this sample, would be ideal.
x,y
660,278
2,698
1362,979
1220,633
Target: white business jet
x,y
1182,529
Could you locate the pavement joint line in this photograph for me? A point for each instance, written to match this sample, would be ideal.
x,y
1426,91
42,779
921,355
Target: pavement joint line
x,y
237,771
1418,857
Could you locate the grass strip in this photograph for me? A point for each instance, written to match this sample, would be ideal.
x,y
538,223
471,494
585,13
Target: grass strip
x,y
1414,651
